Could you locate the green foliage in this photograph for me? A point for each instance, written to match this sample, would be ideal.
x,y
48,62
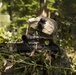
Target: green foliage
x,y
1,62
2,40
20,11
50,6
37,64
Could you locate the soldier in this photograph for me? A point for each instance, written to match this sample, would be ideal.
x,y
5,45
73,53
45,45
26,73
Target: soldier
x,y
46,27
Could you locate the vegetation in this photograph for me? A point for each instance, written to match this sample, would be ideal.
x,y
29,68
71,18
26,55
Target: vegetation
x,y
13,23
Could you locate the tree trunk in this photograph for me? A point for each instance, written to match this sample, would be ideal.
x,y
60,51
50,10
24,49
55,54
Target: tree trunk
x,y
43,8
9,8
